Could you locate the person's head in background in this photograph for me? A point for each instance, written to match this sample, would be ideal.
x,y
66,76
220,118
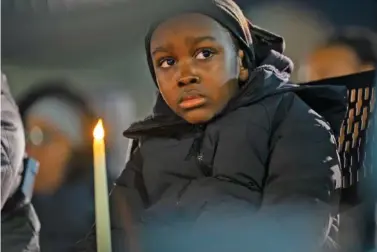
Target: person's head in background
x,y
58,126
348,51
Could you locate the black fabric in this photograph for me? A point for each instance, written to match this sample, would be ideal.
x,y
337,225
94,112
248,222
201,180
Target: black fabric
x,y
209,157
359,118
356,148
20,230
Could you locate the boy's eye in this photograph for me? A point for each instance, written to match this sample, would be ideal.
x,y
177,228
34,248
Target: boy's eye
x,y
204,54
165,63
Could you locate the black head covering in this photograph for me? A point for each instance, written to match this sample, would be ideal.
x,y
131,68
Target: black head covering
x,y
254,41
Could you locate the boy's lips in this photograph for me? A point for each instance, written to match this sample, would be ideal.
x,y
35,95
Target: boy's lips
x,y
192,100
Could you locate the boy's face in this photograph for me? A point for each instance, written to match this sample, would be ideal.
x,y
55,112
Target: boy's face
x,y
197,66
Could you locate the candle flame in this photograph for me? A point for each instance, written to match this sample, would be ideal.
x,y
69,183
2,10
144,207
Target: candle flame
x,y
99,132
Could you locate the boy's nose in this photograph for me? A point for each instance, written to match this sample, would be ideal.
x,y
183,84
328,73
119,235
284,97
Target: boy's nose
x,y
187,80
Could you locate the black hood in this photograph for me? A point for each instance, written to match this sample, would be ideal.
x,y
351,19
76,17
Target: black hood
x,y
266,80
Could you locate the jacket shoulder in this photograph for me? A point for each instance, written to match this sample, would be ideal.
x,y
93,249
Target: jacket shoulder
x,y
278,105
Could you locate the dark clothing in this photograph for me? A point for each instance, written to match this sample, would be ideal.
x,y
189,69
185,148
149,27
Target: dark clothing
x,y
265,166
65,216
19,223
20,230
358,197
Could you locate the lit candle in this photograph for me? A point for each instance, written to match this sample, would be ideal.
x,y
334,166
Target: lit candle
x,y
103,233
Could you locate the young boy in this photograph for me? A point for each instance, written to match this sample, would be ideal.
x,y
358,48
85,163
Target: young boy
x,y
231,155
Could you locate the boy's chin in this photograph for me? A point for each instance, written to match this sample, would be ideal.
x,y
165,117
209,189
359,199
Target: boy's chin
x,y
198,115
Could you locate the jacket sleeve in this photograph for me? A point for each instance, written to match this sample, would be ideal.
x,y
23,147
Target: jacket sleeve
x,y
299,196
12,143
127,199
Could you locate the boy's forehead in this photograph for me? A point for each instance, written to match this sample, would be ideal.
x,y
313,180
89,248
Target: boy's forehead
x,y
187,25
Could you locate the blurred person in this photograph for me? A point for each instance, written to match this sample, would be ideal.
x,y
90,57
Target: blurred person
x,y
59,126
348,51
232,159
19,223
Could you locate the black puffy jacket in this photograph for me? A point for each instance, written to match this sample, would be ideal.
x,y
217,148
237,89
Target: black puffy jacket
x,y
261,176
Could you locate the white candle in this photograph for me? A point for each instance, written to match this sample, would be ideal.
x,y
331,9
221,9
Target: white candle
x,y
103,233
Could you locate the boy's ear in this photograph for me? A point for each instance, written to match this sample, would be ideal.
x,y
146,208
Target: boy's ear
x,y
244,71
